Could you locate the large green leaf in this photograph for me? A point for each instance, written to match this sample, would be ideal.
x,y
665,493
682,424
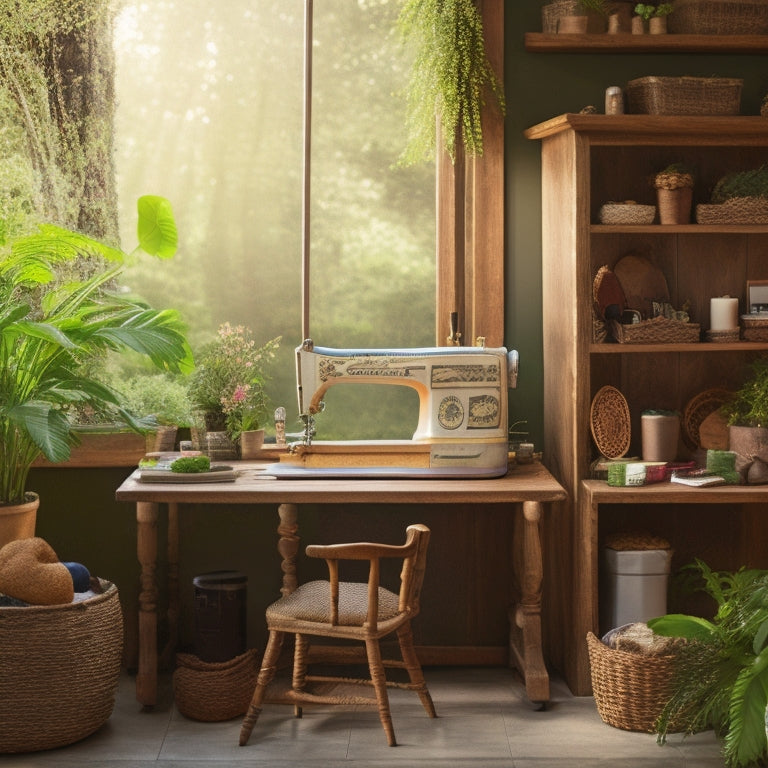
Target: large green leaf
x,y
745,741
47,426
681,625
156,229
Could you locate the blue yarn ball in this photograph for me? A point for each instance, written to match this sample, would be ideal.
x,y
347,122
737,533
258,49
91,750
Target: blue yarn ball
x,y
81,578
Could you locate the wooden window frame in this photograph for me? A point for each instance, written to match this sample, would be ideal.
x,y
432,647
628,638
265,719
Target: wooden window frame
x,y
470,219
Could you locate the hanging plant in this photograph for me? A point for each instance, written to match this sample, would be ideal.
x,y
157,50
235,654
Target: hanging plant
x,y
449,78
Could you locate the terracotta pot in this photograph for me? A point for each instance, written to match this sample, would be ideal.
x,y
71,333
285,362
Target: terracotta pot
x,y
675,205
748,443
569,25
638,25
250,444
17,521
658,25
660,435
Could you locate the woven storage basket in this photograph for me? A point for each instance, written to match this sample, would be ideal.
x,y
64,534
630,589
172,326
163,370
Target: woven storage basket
x,y
59,670
630,689
698,408
214,691
658,330
552,12
627,213
720,17
737,210
754,328
684,96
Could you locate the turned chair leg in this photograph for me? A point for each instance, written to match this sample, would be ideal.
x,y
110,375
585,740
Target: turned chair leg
x,y
413,666
379,680
299,682
266,674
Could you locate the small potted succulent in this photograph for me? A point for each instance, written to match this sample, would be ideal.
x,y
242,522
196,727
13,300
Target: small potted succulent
x,y
674,193
654,17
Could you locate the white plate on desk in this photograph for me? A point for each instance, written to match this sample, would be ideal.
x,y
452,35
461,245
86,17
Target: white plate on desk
x,y
216,474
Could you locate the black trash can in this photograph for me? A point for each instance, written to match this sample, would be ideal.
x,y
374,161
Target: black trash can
x,y
220,615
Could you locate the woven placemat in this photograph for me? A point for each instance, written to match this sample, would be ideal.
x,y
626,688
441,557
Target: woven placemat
x,y
609,422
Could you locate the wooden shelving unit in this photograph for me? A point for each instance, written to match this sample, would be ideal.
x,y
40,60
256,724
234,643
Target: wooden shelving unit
x,y
588,160
539,42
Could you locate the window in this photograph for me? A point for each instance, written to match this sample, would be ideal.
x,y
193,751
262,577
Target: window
x,y
209,99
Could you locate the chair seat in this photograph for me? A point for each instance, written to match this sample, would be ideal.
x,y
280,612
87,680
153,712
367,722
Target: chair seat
x,y
309,602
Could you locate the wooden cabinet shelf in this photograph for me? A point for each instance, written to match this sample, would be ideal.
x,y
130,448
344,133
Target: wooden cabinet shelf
x,y
539,42
588,160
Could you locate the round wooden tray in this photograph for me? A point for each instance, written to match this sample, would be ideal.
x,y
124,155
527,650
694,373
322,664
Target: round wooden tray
x,y
697,409
609,422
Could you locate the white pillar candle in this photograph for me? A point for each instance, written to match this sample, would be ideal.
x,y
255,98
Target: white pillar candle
x,y
723,313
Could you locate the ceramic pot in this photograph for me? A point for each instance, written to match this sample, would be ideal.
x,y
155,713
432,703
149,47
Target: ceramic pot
x,y
638,25
660,434
250,444
658,25
17,521
675,205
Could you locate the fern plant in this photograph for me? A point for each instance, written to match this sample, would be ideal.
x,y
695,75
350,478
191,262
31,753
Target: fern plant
x,y
751,183
721,681
449,79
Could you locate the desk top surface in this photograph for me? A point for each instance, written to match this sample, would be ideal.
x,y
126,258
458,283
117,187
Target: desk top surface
x,y
524,482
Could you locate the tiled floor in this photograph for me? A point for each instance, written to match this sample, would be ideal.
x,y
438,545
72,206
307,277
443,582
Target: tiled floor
x,y
483,721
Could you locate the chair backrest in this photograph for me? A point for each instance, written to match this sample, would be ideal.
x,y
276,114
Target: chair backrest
x,y
413,554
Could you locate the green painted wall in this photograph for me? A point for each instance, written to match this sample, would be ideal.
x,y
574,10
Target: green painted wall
x,y
78,514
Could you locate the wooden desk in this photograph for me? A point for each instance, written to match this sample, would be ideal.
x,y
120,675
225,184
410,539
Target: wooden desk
x,y
526,488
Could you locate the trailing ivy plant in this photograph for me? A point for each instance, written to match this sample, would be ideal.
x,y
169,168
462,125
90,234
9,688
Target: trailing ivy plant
x,y
449,79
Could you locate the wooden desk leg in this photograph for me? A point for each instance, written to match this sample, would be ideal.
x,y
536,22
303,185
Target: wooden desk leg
x,y
146,548
167,656
288,545
525,634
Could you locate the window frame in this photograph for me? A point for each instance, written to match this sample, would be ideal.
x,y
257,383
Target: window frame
x,y
470,219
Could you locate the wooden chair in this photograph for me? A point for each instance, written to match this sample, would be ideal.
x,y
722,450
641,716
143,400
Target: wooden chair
x,y
354,611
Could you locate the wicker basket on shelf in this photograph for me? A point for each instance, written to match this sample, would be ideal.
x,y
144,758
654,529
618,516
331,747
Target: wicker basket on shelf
x,y
59,670
754,328
684,95
658,330
627,213
719,17
630,689
214,691
737,210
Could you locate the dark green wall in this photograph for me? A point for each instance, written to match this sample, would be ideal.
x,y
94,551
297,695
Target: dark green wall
x,y
78,514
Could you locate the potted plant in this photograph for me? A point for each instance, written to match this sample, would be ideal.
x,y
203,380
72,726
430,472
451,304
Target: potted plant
x,y
449,78
654,17
747,415
162,397
674,194
227,385
721,677
51,325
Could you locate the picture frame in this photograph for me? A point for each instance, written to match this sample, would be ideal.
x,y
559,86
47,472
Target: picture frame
x,y
757,297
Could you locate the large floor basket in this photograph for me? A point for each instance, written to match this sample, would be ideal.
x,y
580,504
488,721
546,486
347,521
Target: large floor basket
x,y
59,670
630,689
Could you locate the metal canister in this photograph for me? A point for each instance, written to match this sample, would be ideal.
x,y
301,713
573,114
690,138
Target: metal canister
x,y
614,100
220,615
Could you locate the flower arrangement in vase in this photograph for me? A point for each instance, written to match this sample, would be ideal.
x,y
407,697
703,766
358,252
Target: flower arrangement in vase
x,y
227,385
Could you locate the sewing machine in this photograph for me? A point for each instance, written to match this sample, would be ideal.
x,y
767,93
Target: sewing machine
x,y
462,425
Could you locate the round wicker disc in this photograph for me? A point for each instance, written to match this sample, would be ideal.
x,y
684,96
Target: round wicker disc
x,y
609,423
698,408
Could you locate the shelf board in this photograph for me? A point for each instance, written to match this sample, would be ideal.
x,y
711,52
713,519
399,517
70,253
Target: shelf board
x,y
703,347
539,42
679,229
